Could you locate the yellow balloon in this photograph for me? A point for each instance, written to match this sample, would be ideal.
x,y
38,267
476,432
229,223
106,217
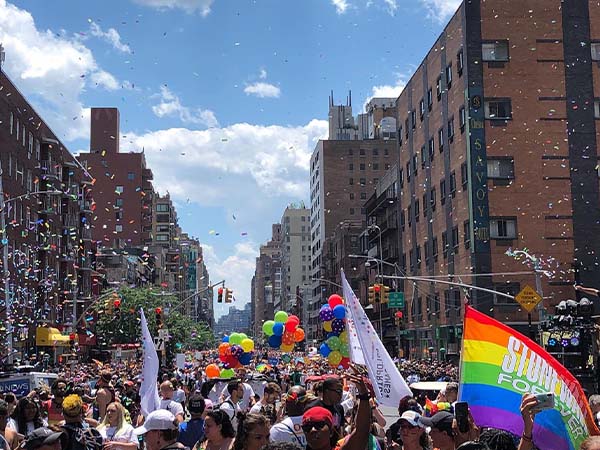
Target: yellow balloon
x,y
247,345
327,326
334,358
286,348
344,337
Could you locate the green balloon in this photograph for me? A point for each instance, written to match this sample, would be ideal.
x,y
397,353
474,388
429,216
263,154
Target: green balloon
x,y
344,350
243,335
333,342
227,373
268,327
235,339
281,316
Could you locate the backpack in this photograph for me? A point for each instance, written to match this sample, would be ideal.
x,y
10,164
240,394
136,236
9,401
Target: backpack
x,y
82,437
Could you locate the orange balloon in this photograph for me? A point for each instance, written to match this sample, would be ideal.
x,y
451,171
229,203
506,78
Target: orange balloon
x,y
223,348
299,335
212,371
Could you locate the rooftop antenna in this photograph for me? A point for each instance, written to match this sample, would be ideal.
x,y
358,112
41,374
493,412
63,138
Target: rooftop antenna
x,y
350,97
331,98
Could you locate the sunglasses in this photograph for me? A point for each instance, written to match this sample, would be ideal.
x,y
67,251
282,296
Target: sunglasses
x,y
306,427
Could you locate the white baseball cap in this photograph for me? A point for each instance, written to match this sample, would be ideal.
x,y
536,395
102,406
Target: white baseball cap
x,y
412,417
161,419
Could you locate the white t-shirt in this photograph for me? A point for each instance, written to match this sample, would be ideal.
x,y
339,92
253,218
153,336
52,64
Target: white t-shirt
x,y
172,406
289,430
231,409
126,434
256,408
179,395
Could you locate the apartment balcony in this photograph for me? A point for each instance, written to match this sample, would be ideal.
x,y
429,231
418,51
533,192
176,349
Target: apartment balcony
x,y
86,234
46,205
49,170
85,206
69,221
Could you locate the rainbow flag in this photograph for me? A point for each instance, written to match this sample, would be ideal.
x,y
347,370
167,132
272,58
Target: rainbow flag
x,y
499,365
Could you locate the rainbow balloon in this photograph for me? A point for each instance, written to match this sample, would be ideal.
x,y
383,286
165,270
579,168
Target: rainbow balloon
x,y
499,365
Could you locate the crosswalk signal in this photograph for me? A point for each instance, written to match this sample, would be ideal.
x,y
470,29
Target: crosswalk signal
x,y
385,294
228,295
159,322
220,295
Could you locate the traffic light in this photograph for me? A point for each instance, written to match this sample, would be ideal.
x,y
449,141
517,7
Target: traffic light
x,y
371,295
220,295
117,308
377,289
159,322
72,342
228,295
398,318
385,293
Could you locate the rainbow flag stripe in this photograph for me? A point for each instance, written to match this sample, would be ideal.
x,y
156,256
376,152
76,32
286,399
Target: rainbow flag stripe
x,y
499,365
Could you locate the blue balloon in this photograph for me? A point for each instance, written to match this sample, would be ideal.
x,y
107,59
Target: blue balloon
x,y
339,312
324,350
245,358
278,329
225,338
275,341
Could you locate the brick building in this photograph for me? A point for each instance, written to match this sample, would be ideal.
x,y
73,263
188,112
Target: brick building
x,y
497,143
47,247
122,187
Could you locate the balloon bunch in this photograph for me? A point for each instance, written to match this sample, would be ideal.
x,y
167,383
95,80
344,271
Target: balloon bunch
x,y
283,332
235,351
335,348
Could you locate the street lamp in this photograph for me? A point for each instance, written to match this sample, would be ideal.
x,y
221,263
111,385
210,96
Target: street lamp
x,y
5,274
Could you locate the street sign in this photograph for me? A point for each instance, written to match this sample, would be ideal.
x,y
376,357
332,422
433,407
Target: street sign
x,y
396,300
528,298
159,344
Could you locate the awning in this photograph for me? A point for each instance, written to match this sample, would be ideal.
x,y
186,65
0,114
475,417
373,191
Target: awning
x,y
50,337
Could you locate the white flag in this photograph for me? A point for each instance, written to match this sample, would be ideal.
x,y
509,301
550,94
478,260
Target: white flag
x,y
387,381
148,390
356,353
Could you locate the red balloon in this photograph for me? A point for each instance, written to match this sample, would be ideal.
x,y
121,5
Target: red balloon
x,y
345,363
294,319
335,300
232,362
290,326
223,358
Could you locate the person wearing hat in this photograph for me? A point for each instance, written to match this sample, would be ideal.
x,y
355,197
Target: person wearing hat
x,y
192,431
160,431
45,439
81,436
412,432
290,428
331,398
441,429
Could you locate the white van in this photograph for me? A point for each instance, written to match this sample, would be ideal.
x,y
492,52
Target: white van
x,y
21,384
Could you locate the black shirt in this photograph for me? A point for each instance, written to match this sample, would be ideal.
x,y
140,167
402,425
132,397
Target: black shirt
x,y
337,411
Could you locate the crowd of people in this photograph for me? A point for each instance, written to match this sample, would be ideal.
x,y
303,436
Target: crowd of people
x,y
295,405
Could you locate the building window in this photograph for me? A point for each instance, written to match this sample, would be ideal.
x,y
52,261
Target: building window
x,y
118,228
453,183
375,166
130,176
415,164
400,136
386,166
498,109
455,238
375,152
119,190
401,177
406,128
429,99
29,181
350,166
464,175
494,51
408,171
425,203
351,211
363,181
449,76
441,139
422,108
351,181
432,199
445,244
119,215
417,210
443,191
451,129
18,128
361,152
162,237
462,118
502,168
350,152
597,109
362,166
30,145
413,119
363,195
434,248
595,49
23,136
423,157
438,88
467,234
460,62
386,152
431,148
351,195
119,202
38,152
503,228
409,215
402,220
12,119
162,207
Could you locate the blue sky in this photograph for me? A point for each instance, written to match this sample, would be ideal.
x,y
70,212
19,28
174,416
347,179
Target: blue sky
x,y
227,98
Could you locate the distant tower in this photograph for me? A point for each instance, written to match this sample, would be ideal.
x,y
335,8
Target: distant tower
x,y
341,121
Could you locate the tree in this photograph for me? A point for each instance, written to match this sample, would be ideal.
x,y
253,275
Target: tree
x,y
124,328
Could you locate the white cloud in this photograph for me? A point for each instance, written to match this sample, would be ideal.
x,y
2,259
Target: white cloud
x,y
340,6
170,105
441,10
392,6
111,36
50,70
262,90
189,6
237,270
